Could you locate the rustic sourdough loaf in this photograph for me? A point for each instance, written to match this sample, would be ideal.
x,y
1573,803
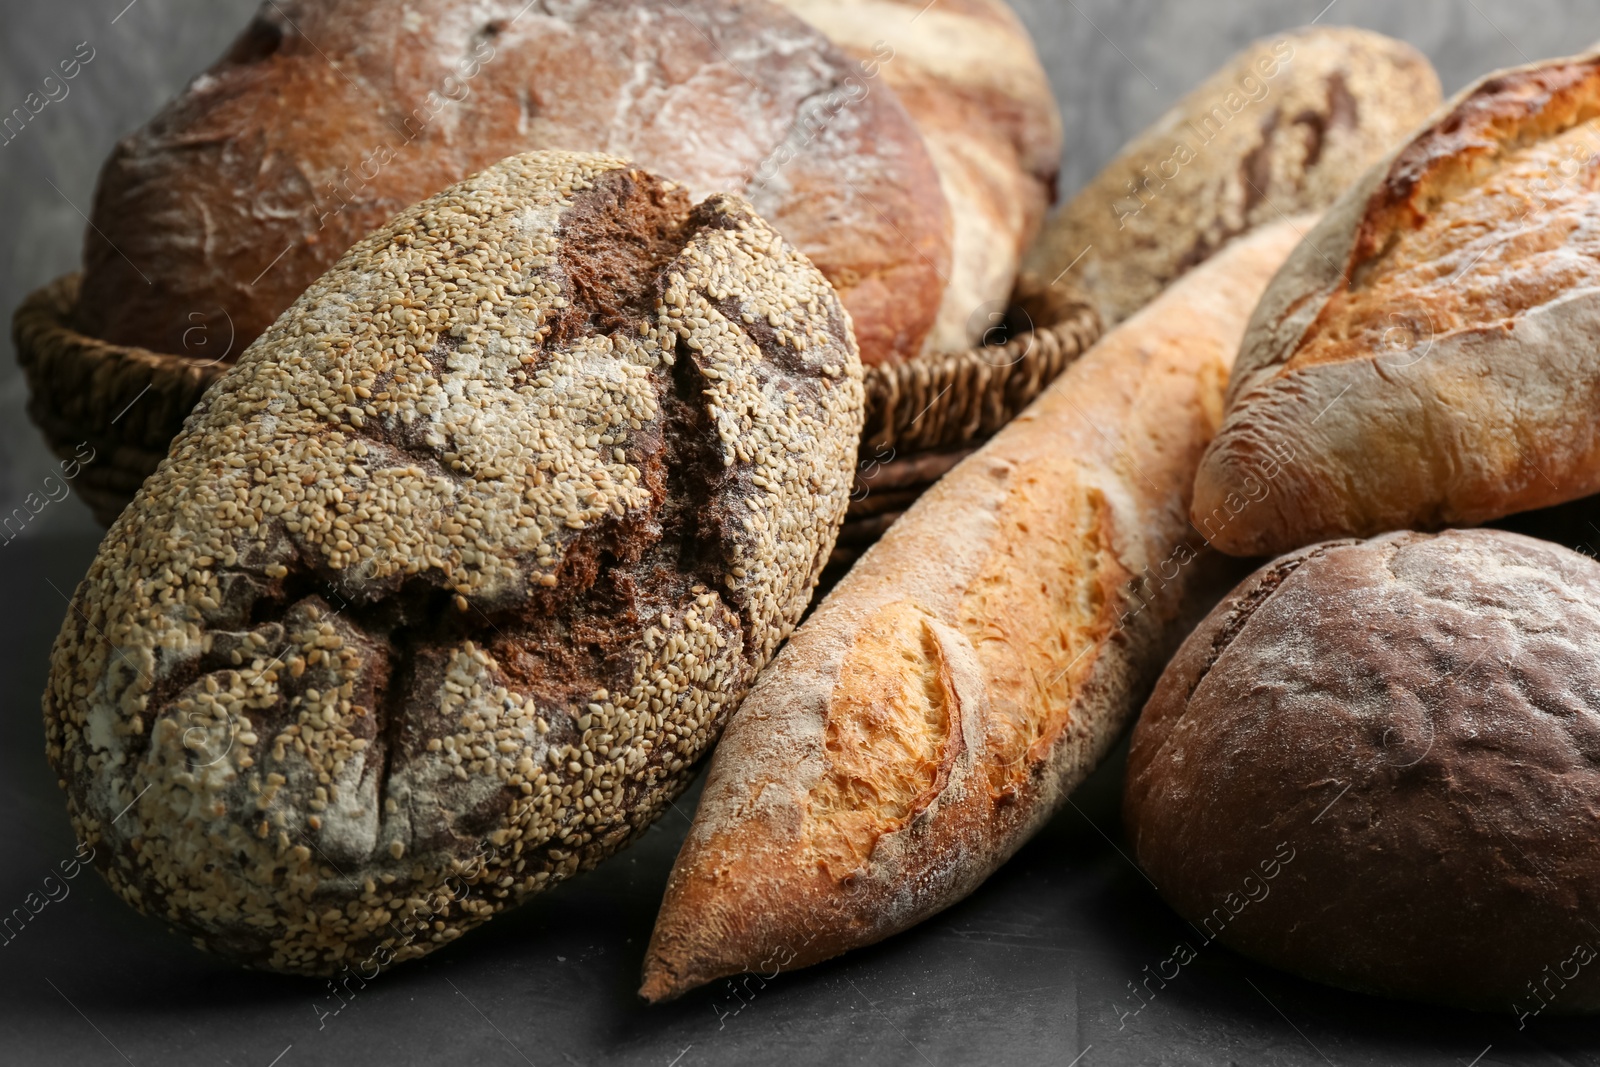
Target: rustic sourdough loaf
x,y
974,665
1373,765
446,586
1285,126
1429,353
969,76
326,117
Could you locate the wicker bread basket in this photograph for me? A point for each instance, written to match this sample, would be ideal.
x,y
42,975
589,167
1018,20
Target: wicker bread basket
x,y
126,403
926,415
922,416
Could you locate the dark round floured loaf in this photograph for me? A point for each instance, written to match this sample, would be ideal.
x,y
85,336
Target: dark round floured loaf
x,y
446,586
326,117
1377,764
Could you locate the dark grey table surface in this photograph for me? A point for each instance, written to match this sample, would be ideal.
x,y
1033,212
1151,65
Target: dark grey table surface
x,y
1036,967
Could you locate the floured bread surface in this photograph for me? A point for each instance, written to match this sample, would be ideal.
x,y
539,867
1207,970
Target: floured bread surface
x,y
1428,355
1480,220
444,588
326,117
1285,126
969,76
1388,747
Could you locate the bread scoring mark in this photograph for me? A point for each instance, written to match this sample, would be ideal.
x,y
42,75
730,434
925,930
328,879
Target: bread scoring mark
x,y
1070,583
1340,110
424,582
1481,218
890,741
615,240
1271,167
1242,606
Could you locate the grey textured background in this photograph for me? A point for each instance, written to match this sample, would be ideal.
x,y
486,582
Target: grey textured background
x,y
1033,968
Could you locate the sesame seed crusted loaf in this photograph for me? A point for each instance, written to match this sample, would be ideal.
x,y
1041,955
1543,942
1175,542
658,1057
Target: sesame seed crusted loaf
x,y
447,584
1284,126
326,117
975,664
1429,352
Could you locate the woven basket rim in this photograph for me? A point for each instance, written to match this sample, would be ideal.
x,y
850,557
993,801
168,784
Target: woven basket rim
x,y
913,405
954,399
130,401
56,300
123,402
103,379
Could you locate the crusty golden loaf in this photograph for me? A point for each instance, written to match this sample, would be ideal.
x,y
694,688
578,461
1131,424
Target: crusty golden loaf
x,y
1429,353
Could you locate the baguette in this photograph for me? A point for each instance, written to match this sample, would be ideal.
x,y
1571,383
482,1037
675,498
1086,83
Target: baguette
x,y
974,666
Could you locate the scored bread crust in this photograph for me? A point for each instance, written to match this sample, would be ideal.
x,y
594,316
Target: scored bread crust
x,y
968,74
327,117
1262,138
1428,354
446,586
974,665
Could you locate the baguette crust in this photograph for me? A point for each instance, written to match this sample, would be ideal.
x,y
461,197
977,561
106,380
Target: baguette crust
x,y
1284,126
973,667
1442,317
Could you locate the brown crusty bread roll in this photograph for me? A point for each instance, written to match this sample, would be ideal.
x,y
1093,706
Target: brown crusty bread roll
x,y
1284,126
1429,353
969,76
1374,765
447,585
974,665
326,117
